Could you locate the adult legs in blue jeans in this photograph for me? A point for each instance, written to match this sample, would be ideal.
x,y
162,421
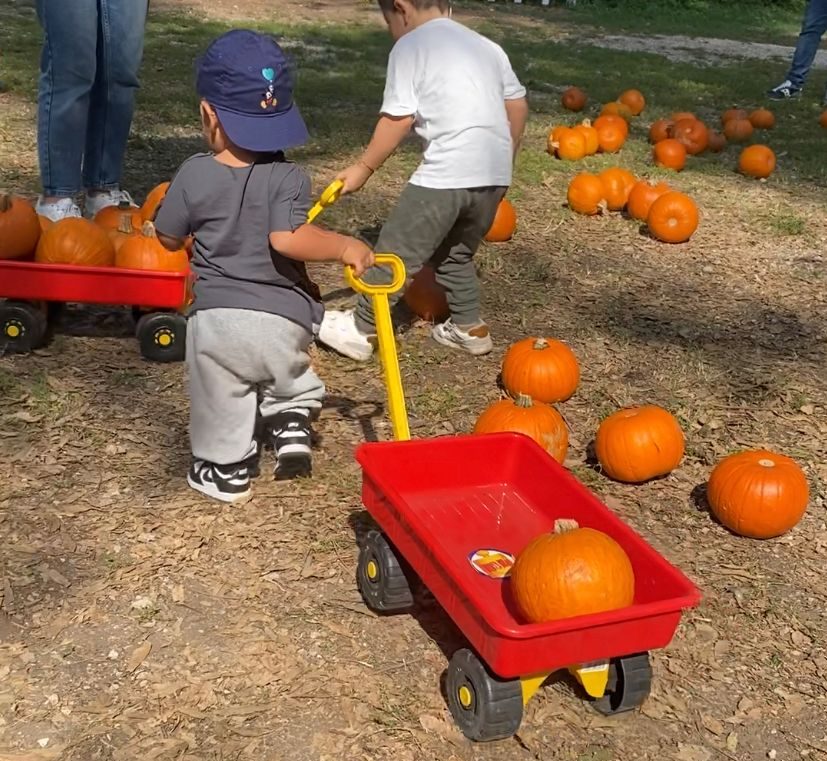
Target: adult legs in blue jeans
x,y
812,30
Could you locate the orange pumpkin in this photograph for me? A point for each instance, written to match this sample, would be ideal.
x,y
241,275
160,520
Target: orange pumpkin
x,y
543,368
633,100
425,297
19,228
670,154
570,145
762,118
637,444
122,232
539,421
692,134
586,194
145,252
75,241
759,494
611,132
660,130
574,99
733,113
642,196
738,130
717,142
757,161
44,222
109,217
678,115
616,108
504,224
822,120
617,184
673,218
589,135
606,119
571,572
153,201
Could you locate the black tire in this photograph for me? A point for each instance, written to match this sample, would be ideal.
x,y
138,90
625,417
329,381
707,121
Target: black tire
x,y
162,336
381,577
484,707
630,680
22,327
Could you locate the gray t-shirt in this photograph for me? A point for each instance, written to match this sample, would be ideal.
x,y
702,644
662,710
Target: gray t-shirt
x,y
230,211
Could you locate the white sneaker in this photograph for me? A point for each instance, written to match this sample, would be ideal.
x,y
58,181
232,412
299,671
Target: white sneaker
x,y
94,203
476,341
339,332
57,210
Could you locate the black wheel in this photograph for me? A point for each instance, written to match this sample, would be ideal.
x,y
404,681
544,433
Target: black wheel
x,y
22,327
630,679
380,576
162,336
483,706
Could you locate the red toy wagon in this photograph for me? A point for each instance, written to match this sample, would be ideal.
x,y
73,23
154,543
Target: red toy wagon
x,y
452,512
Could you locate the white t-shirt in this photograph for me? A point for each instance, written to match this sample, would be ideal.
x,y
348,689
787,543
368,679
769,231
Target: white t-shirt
x,y
455,82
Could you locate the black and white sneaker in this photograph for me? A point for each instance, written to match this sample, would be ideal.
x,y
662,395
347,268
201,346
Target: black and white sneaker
x,y
229,483
292,440
785,91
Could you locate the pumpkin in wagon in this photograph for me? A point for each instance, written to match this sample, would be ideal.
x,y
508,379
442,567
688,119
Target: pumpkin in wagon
x,y
145,252
673,218
19,228
153,201
76,241
543,368
504,224
110,217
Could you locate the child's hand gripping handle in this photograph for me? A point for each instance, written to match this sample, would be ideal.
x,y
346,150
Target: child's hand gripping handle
x,y
387,342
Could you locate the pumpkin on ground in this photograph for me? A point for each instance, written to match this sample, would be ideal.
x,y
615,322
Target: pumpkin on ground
x,y
586,194
145,252
19,228
642,196
733,113
504,224
539,421
822,120
543,368
738,130
758,494
570,145
678,115
717,142
75,241
762,118
574,99
638,444
673,218
757,161
660,130
589,135
425,297
553,136
616,108
110,217
571,572
617,184
670,154
633,100
153,201
612,131
692,134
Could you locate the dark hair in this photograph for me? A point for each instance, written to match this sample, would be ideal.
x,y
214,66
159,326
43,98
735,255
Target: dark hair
x,y
443,5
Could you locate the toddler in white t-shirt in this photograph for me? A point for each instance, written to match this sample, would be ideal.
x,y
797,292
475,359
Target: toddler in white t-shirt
x,y
456,89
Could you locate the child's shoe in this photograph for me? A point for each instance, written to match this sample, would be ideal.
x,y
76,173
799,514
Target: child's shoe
x,y
339,332
292,441
475,340
229,483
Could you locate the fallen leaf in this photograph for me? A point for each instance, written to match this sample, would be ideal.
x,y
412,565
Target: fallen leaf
x,y
732,741
178,593
139,655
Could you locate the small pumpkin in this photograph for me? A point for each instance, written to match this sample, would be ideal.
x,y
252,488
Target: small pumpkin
x,y
146,252
543,368
574,99
762,118
678,115
758,494
605,119
617,184
572,572
122,232
633,100
539,421
733,113
673,218
642,196
554,136
670,154
505,223
738,130
717,142
660,130
611,132
109,217
757,161
638,444
425,297
19,228
616,108
570,145
822,120
589,135
153,201
692,134
586,194
75,241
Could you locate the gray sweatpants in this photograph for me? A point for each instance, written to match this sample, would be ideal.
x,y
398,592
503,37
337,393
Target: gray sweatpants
x,y
232,355
443,228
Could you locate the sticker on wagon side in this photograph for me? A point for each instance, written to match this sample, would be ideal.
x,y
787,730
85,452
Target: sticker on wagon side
x,y
495,564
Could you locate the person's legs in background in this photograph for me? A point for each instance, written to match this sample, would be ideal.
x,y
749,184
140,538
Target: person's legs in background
x,y
812,29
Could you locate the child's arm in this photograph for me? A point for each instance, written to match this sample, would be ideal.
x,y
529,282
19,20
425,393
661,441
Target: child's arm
x,y
312,244
172,220
517,112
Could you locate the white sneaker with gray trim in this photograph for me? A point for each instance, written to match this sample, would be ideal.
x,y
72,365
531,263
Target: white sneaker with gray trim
x,y
97,201
339,332
57,210
476,340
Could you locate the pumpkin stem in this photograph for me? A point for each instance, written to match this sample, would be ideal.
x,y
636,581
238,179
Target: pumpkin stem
x,y
586,123
125,225
5,202
563,525
540,343
524,401
148,230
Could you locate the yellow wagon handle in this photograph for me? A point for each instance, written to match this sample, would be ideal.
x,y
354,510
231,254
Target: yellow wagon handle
x,y
329,196
387,342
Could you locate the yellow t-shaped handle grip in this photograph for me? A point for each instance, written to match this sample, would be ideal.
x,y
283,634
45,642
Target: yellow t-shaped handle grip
x,y
387,341
329,196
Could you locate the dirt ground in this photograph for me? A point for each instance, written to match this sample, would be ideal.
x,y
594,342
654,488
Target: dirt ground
x,y
140,621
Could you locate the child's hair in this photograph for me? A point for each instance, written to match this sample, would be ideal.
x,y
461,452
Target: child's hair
x,y
421,5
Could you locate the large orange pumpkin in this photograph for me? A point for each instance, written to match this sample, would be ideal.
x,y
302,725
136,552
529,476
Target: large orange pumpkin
x,y
612,131
570,145
738,130
673,218
637,444
75,241
692,134
153,201
122,232
585,194
642,196
633,100
733,113
670,154
111,217
539,421
504,224
543,368
589,135
573,99
759,494
19,228
617,184
146,252
762,118
757,161
660,130
571,572
425,297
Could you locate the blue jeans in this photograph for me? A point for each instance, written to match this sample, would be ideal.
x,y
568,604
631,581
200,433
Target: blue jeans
x,y
812,29
88,76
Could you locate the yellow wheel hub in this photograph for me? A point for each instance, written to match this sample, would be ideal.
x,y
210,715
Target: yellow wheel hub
x,y
13,330
163,338
372,570
466,697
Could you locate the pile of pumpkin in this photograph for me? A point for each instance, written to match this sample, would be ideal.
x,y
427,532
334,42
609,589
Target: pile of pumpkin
x,y
757,494
120,236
